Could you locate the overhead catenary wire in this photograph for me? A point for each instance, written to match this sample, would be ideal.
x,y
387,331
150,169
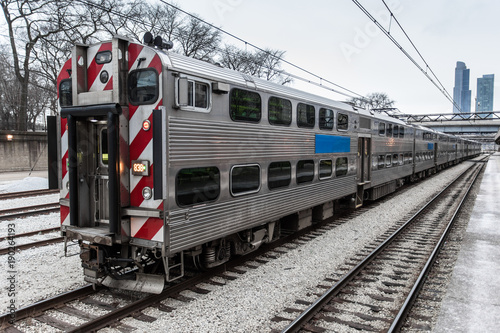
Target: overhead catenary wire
x,y
436,82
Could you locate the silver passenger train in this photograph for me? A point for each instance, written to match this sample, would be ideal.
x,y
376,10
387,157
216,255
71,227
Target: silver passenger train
x,y
167,161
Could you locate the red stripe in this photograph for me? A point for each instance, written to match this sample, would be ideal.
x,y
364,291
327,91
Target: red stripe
x,y
149,229
136,198
141,141
94,69
109,85
63,74
133,53
64,213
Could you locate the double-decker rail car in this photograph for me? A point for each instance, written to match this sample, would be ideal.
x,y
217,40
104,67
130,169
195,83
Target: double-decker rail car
x,y
168,161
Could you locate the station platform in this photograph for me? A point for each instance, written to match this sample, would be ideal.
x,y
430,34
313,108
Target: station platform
x,y
472,302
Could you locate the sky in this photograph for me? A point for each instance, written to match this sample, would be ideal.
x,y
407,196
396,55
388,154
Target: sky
x,y
335,40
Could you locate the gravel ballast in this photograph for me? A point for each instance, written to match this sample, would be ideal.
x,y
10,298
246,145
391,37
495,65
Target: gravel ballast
x,y
248,303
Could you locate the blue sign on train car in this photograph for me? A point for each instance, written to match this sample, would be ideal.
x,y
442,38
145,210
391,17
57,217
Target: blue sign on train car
x,y
430,146
332,144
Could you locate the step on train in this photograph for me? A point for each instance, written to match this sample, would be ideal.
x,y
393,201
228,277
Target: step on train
x,y
167,162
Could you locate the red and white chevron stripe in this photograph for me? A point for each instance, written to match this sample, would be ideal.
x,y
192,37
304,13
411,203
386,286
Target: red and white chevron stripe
x,y
141,147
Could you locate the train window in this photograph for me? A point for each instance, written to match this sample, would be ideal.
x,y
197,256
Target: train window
x,y
65,93
103,57
406,158
388,161
280,111
342,122
381,129
381,161
325,119
401,132
197,185
341,166
389,130
245,105
395,159
305,115
401,159
103,151
374,162
325,169
143,86
395,131
245,179
365,123
305,171
279,174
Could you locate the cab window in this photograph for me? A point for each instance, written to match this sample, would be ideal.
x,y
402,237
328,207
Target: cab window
x,y
143,86
65,93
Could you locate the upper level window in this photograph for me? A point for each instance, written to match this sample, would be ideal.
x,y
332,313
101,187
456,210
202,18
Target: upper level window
x,y
245,179
280,111
342,121
245,105
381,129
305,115
325,119
365,123
143,86
192,95
65,93
197,185
389,130
396,131
401,131
279,174
305,171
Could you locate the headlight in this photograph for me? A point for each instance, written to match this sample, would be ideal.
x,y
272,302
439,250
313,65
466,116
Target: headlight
x,y
147,193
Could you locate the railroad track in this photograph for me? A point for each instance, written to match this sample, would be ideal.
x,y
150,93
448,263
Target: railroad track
x,y
12,213
40,312
25,194
386,282
48,313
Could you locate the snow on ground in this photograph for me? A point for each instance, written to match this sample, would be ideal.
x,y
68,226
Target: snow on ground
x,y
26,184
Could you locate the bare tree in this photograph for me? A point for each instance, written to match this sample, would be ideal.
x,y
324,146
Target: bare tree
x,y
373,101
198,40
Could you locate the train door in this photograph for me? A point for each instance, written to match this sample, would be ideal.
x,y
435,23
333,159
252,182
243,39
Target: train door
x,y
364,168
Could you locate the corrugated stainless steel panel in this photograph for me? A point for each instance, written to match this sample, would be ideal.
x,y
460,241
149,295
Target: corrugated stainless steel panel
x,y
202,140
421,166
388,174
190,227
204,69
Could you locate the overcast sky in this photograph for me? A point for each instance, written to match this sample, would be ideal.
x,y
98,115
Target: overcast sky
x,y
336,40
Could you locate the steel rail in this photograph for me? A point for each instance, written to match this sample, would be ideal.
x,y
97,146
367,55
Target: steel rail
x,y
47,304
24,194
44,242
13,213
30,233
412,296
311,311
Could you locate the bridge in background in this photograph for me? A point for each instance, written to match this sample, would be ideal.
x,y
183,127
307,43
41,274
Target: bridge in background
x,y
479,126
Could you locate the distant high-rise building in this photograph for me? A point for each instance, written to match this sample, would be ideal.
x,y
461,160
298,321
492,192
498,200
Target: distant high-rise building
x,y
461,91
484,98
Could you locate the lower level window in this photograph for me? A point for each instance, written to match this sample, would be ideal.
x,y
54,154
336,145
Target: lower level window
x,y
325,169
245,179
305,171
197,185
341,166
279,174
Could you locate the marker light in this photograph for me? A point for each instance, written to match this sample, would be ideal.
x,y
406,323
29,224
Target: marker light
x,y
146,125
10,137
147,193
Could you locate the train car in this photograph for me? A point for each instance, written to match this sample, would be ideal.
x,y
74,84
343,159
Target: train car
x,y
167,161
